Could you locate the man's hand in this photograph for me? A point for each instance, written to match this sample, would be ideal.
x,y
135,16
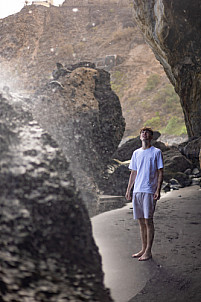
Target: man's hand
x,y
157,195
128,195
130,184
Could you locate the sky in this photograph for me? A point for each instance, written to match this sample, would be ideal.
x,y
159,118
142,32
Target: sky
x,y
9,7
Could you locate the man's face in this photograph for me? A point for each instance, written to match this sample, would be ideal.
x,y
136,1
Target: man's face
x,y
145,135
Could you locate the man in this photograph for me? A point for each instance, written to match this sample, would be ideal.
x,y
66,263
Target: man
x,y
147,176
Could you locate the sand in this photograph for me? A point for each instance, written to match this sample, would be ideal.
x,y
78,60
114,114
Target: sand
x,y
174,272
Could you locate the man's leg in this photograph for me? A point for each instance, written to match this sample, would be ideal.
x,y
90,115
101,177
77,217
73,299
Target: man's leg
x,y
143,233
150,237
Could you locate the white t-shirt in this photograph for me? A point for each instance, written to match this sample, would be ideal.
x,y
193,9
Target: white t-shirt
x,y
147,163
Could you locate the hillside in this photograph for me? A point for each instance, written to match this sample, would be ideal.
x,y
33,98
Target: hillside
x,y
103,32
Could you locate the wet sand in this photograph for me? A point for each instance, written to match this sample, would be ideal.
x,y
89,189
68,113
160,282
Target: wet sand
x,y
174,272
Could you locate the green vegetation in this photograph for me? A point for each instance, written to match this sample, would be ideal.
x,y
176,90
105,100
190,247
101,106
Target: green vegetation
x,y
169,118
154,122
158,108
152,82
145,105
175,126
168,97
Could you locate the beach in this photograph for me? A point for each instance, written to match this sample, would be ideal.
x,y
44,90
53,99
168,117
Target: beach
x,y
174,272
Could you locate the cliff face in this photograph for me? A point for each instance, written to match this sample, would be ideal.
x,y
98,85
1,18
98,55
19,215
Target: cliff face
x,y
103,32
172,29
35,39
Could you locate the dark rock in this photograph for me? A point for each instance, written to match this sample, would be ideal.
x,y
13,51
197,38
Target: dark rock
x,y
174,184
174,181
188,171
44,225
196,181
156,135
161,146
108,203
182,145
81,64
165,187
192,149
125,152
116,183
183,179
172,29
89,129
196,172
60,71
175,162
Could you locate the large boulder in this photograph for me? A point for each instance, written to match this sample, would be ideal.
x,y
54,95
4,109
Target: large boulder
x,y
83,114
47,250
115,183
191,150
172,29
124,152
175,162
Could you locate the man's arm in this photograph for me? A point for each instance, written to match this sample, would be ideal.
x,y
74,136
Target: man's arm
x,y
157,194
130,184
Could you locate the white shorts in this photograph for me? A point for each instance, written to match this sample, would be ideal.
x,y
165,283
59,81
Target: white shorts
x,y
143,205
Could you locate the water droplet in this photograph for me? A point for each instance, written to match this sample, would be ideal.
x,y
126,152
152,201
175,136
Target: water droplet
x,y
75,10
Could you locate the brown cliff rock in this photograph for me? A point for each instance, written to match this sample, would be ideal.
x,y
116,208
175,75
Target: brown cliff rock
x,y
172,29
103,32
37,37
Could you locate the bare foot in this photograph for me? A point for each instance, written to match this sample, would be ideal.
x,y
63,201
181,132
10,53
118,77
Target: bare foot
x,y
137,255
145,257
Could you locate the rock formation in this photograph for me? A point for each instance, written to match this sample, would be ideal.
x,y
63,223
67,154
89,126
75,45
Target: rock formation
x,y
125,151
172,29
47,249
84,116
181,165
175,162
192,149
